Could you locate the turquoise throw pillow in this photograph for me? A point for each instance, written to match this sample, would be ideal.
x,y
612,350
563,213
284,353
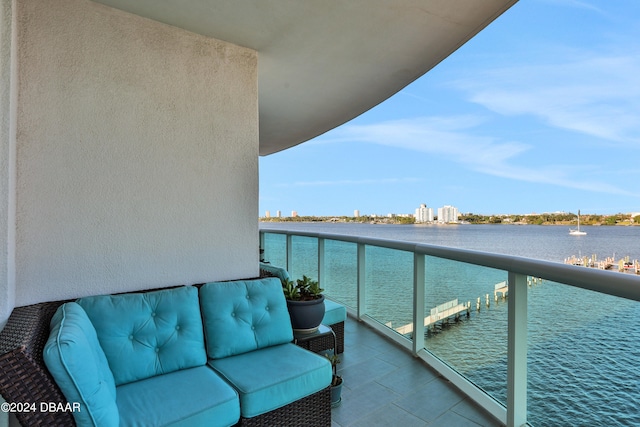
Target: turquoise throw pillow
x,y
77,363
148,334
243,316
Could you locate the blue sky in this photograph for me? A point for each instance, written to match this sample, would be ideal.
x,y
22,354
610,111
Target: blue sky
x,y
540,112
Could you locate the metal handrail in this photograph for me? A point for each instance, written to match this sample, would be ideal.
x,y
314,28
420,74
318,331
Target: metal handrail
x,y
606,282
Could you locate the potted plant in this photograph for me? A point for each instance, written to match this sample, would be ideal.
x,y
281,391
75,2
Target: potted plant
x,y
305,303
336,381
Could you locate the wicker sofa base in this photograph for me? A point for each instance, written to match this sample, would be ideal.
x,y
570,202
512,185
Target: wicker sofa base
x,y
313,410
23,375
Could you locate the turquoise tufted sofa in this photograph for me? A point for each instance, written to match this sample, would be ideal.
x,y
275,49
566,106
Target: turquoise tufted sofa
x,y
220,354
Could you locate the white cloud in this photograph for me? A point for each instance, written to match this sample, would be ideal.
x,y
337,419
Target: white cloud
x,y
457,139
576,4
553,175
343,182
447,136
596,95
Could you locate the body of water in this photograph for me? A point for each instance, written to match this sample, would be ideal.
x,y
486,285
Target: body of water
x,y
584,347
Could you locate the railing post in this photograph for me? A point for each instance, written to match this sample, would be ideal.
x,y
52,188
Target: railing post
x,y
362,273
289,249
418,302
320,261
517,351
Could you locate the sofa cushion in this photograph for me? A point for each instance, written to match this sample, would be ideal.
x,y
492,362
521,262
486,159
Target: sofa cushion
x,y
190,397
148,334
242,316
333,312
273,377
77,363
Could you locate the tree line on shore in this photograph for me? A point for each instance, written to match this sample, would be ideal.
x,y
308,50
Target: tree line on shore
x,y
529,219
552,219
360,219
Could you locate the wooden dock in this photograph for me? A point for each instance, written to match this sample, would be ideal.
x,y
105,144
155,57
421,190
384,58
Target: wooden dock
x,y
627,266
500,288
453,309
437,314
624,265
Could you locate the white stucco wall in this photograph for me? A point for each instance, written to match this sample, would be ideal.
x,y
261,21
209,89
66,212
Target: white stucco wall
x,y
7,177
137,154
7,161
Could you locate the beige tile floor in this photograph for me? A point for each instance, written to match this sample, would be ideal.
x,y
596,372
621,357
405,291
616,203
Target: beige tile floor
x,y
385,386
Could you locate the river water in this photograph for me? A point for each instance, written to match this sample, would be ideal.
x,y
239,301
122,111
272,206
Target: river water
x,y
583,347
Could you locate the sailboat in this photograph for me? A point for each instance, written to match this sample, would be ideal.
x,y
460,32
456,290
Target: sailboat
x,y
577,232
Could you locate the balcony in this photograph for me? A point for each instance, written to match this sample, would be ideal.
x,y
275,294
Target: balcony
x,y
508,361
385,385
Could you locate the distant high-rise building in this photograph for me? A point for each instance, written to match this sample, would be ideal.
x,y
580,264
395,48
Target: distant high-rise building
x,y
294,214
448,214
356,213
424,214
278,214
267,214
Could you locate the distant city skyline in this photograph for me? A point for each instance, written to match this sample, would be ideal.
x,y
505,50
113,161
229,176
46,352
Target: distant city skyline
x,y
537,113
426,214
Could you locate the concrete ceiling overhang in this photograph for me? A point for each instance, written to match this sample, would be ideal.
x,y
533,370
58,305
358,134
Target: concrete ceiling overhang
x,y
322,63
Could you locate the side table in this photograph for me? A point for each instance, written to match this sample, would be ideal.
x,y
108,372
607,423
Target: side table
x,y
315,341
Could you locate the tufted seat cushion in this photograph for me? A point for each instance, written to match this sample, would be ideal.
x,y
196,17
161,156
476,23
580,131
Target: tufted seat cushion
x,y
188,398
243,316
273,377
148,334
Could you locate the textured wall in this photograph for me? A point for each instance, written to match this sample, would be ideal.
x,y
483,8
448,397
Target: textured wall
x,y
7,161
137,160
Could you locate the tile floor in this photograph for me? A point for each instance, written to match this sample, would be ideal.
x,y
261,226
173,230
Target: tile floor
x,y
385,386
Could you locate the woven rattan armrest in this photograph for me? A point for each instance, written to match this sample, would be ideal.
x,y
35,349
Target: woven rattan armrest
x,y
24,378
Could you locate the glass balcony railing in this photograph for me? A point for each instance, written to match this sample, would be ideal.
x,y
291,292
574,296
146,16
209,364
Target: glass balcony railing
x,y
530,341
